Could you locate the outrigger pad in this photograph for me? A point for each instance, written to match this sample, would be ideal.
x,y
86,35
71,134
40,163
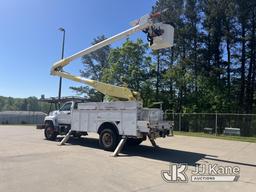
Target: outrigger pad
x,y
65,139
152,141
119,147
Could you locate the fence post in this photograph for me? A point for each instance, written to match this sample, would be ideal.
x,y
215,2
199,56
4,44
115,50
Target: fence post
x,y
179,122
216,123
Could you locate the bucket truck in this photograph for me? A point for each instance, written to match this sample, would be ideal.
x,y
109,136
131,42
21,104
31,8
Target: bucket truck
x,y
121,121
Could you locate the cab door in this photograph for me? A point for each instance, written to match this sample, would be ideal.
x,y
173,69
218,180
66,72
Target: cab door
x,y
64,116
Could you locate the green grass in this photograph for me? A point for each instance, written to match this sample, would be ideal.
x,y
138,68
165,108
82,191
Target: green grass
x,y
201,134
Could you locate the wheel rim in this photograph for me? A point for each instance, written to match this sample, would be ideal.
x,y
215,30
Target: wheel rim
x,y
49,132
107,139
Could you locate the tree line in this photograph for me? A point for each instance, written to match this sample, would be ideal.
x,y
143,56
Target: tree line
x,y
27,104
211,68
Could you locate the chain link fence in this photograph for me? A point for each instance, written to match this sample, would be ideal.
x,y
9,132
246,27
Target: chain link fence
x,y
214,123
21,117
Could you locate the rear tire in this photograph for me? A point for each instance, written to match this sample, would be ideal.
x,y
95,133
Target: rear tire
x,y
49,132
108,139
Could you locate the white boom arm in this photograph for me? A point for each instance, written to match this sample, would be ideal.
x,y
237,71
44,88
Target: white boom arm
x,y
160,37
99,45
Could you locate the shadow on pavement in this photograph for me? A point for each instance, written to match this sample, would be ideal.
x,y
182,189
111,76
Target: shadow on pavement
x,y
228,161
162,154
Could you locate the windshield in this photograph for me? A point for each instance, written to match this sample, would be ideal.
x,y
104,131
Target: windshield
x,y
66,107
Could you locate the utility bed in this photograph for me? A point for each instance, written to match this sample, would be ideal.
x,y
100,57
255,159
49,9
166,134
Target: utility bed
x,y
129,117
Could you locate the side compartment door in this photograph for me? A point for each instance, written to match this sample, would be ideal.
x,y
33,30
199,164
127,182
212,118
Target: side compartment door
x,y
129,122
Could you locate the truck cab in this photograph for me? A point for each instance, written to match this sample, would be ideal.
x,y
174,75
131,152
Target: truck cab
x,y
63,115
58,122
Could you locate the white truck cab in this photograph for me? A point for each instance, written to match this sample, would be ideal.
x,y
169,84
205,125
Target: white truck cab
x,y
64,114
59,122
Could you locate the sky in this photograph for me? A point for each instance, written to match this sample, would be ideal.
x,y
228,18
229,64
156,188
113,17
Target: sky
x,y
30,41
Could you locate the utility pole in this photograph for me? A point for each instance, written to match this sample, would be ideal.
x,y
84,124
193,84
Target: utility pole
x,y
62,56
157,74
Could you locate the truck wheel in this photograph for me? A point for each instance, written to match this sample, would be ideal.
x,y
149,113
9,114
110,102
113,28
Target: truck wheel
x,y
49,132
108,139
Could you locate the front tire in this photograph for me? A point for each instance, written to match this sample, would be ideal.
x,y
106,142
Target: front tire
x,y
108,139
49,132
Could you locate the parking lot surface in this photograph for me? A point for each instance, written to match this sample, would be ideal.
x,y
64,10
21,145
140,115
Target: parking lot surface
x,y
30,163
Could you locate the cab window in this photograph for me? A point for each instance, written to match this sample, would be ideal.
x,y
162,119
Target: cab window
x,y
66,107
76,106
